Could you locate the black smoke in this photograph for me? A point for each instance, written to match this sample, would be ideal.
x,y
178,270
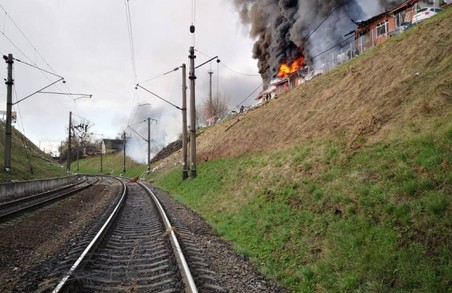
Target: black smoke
x,y
287,29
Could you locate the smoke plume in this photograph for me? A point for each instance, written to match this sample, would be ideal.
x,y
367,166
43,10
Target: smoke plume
x,y
287,29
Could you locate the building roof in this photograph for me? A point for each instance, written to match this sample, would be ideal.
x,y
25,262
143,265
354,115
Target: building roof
x,y
363,25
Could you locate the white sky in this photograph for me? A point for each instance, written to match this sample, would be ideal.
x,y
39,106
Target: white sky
x,y
87,43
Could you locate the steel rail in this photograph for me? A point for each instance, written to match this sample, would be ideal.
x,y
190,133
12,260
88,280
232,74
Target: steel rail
x,y
190,286
13,202
96,240
11,214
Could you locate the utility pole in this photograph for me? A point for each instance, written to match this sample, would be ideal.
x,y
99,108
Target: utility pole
x,y
69,143
101,167
124,146
149,144
184,123
192,78
77,155
9,104
211,110
61,152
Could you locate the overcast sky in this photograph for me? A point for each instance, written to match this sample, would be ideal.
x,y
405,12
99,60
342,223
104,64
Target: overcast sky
x,y
87,42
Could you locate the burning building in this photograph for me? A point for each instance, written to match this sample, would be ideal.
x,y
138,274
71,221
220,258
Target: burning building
x,y
291,34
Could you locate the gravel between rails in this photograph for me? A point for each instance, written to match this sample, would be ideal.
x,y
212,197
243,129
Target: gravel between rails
x,y
235,273
30,252
32,245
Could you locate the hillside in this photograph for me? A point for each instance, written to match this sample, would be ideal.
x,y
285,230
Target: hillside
x,y
111,164
402,81
27,160
342,184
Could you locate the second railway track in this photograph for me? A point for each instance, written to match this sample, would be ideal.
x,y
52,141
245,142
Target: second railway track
x,y
13,208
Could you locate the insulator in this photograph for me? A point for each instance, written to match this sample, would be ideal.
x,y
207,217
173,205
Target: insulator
x,y
192,29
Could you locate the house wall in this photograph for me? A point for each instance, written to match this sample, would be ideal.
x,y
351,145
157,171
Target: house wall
x,y
373,38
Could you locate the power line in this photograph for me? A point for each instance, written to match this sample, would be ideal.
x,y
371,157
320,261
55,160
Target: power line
x,y
15,46
131,43
248,96
160,75
332,47
26,38
36,67
227,67
238,72
310,34
24,140
31,45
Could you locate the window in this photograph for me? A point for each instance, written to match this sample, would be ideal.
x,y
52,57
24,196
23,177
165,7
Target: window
x,y
398,20
382,28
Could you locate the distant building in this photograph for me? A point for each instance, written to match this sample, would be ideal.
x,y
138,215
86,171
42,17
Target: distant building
x,y
110,146
378,28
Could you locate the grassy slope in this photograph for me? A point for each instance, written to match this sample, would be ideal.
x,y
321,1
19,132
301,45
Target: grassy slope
x,y
111,164
27,163
346,185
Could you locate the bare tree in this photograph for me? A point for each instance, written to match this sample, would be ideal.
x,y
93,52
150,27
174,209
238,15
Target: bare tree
x,y
213,109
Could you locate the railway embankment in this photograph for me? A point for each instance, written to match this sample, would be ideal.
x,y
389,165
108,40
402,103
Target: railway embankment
x,y
342,184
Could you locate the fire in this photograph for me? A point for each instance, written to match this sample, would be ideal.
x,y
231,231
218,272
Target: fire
x,y
285,69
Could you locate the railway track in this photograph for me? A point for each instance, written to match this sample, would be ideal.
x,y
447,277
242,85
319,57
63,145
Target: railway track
x,y
137,249
14,208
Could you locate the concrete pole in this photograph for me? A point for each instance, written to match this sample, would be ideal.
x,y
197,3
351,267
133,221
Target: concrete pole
x,y
149,144
101,155
68,159
61,152
184,123
192,78
9,104
124,146
211,109
77,155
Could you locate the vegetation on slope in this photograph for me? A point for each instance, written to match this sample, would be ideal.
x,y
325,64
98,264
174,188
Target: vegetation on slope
x,y
343,184
112,164
27,160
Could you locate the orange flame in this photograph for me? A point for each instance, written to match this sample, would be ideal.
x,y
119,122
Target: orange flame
x,y
285,69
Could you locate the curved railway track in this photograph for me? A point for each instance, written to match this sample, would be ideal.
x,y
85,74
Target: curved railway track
x,y
14,208
135,250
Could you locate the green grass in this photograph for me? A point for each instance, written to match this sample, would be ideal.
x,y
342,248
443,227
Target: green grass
x,y
27,163
111,164
319,218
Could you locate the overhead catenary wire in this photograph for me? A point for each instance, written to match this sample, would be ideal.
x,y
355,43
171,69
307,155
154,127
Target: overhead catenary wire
x,y
332,47
328,16
238,72
238,105
160,75
43,71
32,62
131,42
24,141
83,118
15,46
25,37
36,67
229,68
